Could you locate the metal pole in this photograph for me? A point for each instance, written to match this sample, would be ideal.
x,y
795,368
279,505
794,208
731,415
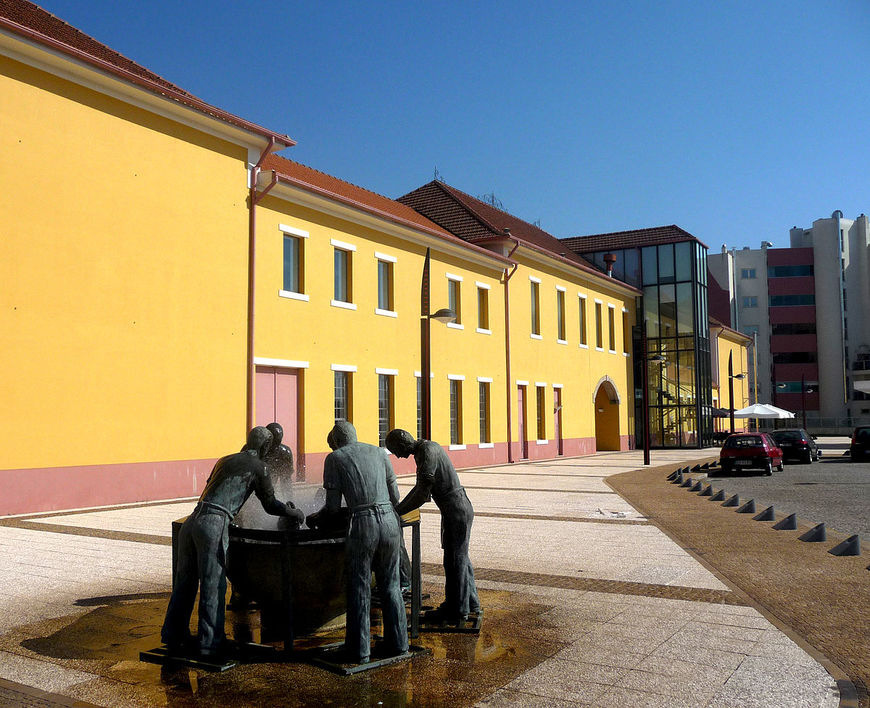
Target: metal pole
x,y
731,388
804,401
645,394
425,386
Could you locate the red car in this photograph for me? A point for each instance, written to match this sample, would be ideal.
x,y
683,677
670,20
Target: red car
x,y
750,451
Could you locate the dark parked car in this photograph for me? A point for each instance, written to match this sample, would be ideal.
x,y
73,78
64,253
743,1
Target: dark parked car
x,y
860,447
796,444
750,451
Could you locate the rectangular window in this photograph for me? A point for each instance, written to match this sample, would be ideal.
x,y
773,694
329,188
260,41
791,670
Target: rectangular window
x,y
342,396
790,271
485,430
611,328
791,300
454,301
626,333
599,335
419,407
560,315
385,407
342,276
483,308
747,273
536,308
583,321
455,412
385,286
750,301
292,282
542,420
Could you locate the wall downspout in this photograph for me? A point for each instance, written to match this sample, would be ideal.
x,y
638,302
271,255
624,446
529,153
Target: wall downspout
x,y
253,199
507,343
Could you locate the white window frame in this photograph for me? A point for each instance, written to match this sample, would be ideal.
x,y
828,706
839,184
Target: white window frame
x,y
611,308
391,260
585,333
296,233
564,313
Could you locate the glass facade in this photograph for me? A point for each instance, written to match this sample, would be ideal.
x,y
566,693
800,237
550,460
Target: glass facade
x,y
673,309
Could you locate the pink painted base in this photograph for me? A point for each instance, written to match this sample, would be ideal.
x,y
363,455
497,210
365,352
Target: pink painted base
x,y
28,491
53,488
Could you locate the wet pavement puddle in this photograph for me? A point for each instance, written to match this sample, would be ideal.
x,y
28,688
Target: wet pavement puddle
x,y
107,637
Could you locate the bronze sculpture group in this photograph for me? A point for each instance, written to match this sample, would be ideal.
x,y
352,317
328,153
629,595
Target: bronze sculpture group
x,y
363,476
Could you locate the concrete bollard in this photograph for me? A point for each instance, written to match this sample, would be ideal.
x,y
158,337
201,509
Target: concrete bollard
x,y
850,547
747,508
733,501
673,475
697,486
815,534
789,523
687,482
718,496
707,492
696,468
766,515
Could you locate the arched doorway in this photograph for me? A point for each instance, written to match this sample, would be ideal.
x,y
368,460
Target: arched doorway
x,y
606,415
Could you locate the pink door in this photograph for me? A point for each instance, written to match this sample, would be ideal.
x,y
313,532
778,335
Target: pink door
x,y
557,423
278,401
521,422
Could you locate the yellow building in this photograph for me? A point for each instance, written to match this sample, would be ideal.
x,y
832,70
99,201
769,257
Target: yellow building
x,y
338,330
730,346
123,259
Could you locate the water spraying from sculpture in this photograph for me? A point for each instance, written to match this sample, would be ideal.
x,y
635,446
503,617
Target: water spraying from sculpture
x,y
279,463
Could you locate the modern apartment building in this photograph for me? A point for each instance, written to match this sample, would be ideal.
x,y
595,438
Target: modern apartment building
x,y
808,306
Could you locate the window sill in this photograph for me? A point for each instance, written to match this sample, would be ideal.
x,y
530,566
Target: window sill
x,y
599,349
612,351
386,313
480,330
584,346
536,336
625,354
293,296
542,442
561,341
343,305
456,447
455,325
486,445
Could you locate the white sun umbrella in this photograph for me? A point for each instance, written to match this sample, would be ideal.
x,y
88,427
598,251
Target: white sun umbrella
x,y
763,410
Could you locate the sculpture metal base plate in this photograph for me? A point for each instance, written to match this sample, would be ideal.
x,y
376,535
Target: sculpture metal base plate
x,y
161,655
332,658
233,655
471,625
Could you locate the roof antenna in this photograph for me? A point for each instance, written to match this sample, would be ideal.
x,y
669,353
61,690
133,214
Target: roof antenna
x,y
438,175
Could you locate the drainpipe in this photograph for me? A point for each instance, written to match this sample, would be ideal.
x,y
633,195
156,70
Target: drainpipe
x,y
507,343
253,199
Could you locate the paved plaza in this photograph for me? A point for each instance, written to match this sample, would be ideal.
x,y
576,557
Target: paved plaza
x,y
587,603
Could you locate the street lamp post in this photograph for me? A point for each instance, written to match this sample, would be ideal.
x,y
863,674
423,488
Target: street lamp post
x,y
731,377
804,392
442,315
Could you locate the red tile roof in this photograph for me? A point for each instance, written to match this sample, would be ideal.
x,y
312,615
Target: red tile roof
x,y
32,22
628,239
476,221
307,178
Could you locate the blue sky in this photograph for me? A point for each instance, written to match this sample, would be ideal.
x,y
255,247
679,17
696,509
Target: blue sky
x,y
734,120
